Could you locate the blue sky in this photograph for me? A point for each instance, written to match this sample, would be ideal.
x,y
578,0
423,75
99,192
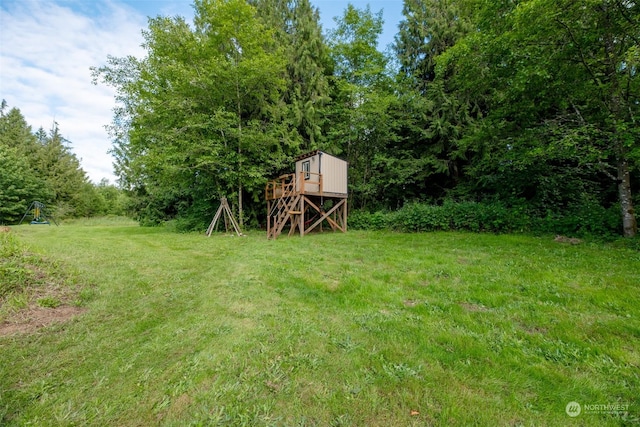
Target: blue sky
x,y
48,46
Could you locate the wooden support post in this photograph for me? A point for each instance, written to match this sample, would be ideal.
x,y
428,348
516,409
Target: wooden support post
x,y
214,221
294,224
344,216
301,217
268,217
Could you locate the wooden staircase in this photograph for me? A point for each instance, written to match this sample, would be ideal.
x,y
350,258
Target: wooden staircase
x,y
283,209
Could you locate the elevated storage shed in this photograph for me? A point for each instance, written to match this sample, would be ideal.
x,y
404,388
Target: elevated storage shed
x,y
312,196
316,166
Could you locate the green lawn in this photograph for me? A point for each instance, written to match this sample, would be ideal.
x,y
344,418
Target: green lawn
x,y
363,328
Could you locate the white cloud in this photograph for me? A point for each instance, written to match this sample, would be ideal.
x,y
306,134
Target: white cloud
x,y
46,51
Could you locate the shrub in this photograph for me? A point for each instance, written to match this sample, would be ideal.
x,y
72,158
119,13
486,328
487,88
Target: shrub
x,y
421,217
363,220
584,219
587,219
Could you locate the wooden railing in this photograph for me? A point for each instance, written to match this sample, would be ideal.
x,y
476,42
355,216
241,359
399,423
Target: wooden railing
x,y
305,183
285,185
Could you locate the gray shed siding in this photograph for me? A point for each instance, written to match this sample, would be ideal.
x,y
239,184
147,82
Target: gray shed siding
x,y
332,169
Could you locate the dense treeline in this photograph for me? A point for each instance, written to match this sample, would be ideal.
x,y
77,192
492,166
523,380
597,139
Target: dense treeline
x,y
41,167
530,106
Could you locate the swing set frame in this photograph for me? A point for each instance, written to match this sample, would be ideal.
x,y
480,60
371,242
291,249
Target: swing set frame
x,y
39,214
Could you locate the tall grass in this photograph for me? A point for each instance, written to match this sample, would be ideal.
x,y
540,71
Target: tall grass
x,y
363,328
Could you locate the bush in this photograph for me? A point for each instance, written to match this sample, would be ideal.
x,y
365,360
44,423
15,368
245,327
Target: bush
x,y
421,217
362,220
586,219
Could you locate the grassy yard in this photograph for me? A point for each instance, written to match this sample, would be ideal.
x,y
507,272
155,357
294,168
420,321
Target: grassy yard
x,y
362,329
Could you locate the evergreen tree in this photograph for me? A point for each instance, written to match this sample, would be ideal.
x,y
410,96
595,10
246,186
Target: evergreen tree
x,y
47,171
429,28
58,166
16,133
298,30
439,114
18,185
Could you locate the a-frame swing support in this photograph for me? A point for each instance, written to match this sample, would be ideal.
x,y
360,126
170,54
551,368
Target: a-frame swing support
x,y
224,210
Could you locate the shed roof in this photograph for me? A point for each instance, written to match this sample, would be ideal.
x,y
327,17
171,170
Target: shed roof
x,y
306,155
313,153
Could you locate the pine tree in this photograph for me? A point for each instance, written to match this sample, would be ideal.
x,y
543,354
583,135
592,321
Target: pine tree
x,y
299,32
59,167
19,182
429,28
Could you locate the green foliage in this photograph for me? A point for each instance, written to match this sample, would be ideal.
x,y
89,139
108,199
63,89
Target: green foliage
x,y
19,182
41,167
365,220
306,97
215,127
428,30
112,200
548,84
364,128
354,47
18,185
588,219
528,107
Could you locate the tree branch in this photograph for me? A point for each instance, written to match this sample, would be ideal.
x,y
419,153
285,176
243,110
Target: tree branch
x,y
603,169
582,57
582,120
629,19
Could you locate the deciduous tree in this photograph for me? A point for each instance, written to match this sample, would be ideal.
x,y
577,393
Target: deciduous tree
x,y
559,83
200,114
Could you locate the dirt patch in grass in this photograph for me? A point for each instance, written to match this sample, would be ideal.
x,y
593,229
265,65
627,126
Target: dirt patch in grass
x,y
33,318
34,291
468,306
45,301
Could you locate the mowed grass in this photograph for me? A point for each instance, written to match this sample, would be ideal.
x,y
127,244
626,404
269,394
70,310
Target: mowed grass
x,y
362,329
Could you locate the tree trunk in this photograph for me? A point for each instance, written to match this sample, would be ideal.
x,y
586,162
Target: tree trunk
x,y
239,112
617,111
240,215
629,224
